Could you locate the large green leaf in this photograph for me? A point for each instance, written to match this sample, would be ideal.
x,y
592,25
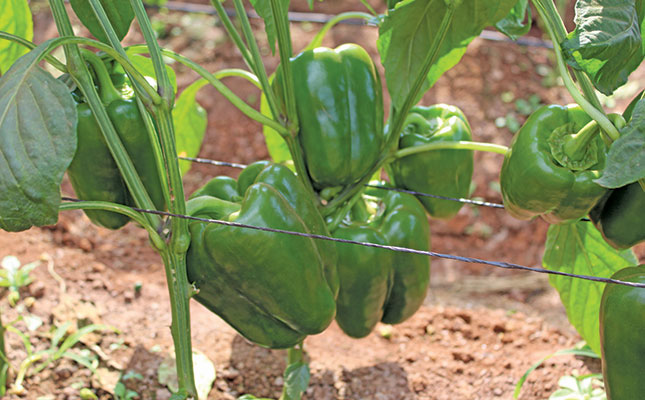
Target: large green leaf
x,y
119,12
626,158
264,10
190,122
513,24
15,18
37,143
408,31
580,249
296,380
607,42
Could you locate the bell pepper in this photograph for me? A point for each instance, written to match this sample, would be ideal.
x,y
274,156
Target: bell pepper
x,y
93,172
273,288
339,103
540,177
620,216
441,172
622,328
377,284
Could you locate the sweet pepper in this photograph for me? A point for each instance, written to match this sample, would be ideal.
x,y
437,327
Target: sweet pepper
x,y
339,102
540,176
620,216
622,328
273,288
378,284
445,172
93,172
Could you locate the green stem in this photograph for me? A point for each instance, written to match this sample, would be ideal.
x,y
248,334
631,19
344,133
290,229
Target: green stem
x,y
31,45
107,91
281,22
81,75
543,7
460,145
418,121
259,69
369,7
343,211
397,117
318,39
575,145
156,240
224,90
295,355
232,33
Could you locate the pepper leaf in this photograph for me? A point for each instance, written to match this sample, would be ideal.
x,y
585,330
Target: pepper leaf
x,y
278,149
265,11
16,19
408,31
626,158
119,12
579,248
37,142
190,123
513,24
296,380
607,42
145,66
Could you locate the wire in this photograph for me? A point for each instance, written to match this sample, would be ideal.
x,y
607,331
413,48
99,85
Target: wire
x,y
497,264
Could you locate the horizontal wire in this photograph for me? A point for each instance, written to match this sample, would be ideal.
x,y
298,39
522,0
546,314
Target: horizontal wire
x,y
320,18
400,249
436,196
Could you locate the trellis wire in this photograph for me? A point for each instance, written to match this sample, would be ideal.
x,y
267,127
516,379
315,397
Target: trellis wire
x,y
320,18
400,249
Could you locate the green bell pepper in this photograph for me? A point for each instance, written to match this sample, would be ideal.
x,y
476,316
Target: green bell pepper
x,y
622,329
93,172
540,176
377,284
272,288
620,216
440,172
339,102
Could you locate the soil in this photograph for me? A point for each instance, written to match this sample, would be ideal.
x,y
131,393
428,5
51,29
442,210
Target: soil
x,y
479,330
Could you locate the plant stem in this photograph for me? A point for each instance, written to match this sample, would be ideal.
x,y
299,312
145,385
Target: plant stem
x,y
575,145
31,45
460,145
543,7
232,33
79,72
281,22
317,40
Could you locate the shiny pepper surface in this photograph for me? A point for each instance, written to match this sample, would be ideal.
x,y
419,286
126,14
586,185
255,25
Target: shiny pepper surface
x,y
273,288
534,183
93,172
620,216
622,333
445,172
378,284
339,102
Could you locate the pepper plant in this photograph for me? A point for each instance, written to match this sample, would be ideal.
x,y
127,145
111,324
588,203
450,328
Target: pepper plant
x,y
112,120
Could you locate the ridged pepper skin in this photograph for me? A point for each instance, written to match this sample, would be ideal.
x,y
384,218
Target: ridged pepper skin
x,y
620,216
274,289
622,333
339,102
93,172
534,184
377,284
441,172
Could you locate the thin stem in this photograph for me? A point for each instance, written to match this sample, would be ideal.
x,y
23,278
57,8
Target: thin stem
x,y
342,212
575,145
31,45
460,145
281,22
318,39
233,34
259,69
596,114
369,7
156,240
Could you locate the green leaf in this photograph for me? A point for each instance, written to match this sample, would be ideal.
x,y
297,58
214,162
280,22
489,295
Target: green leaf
x,y
580,249
145,66
626,157
513,24
278,149
119,12
408,31
265,11
15,19
296,380
190,122
607,42
204,374
37,142
392,3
